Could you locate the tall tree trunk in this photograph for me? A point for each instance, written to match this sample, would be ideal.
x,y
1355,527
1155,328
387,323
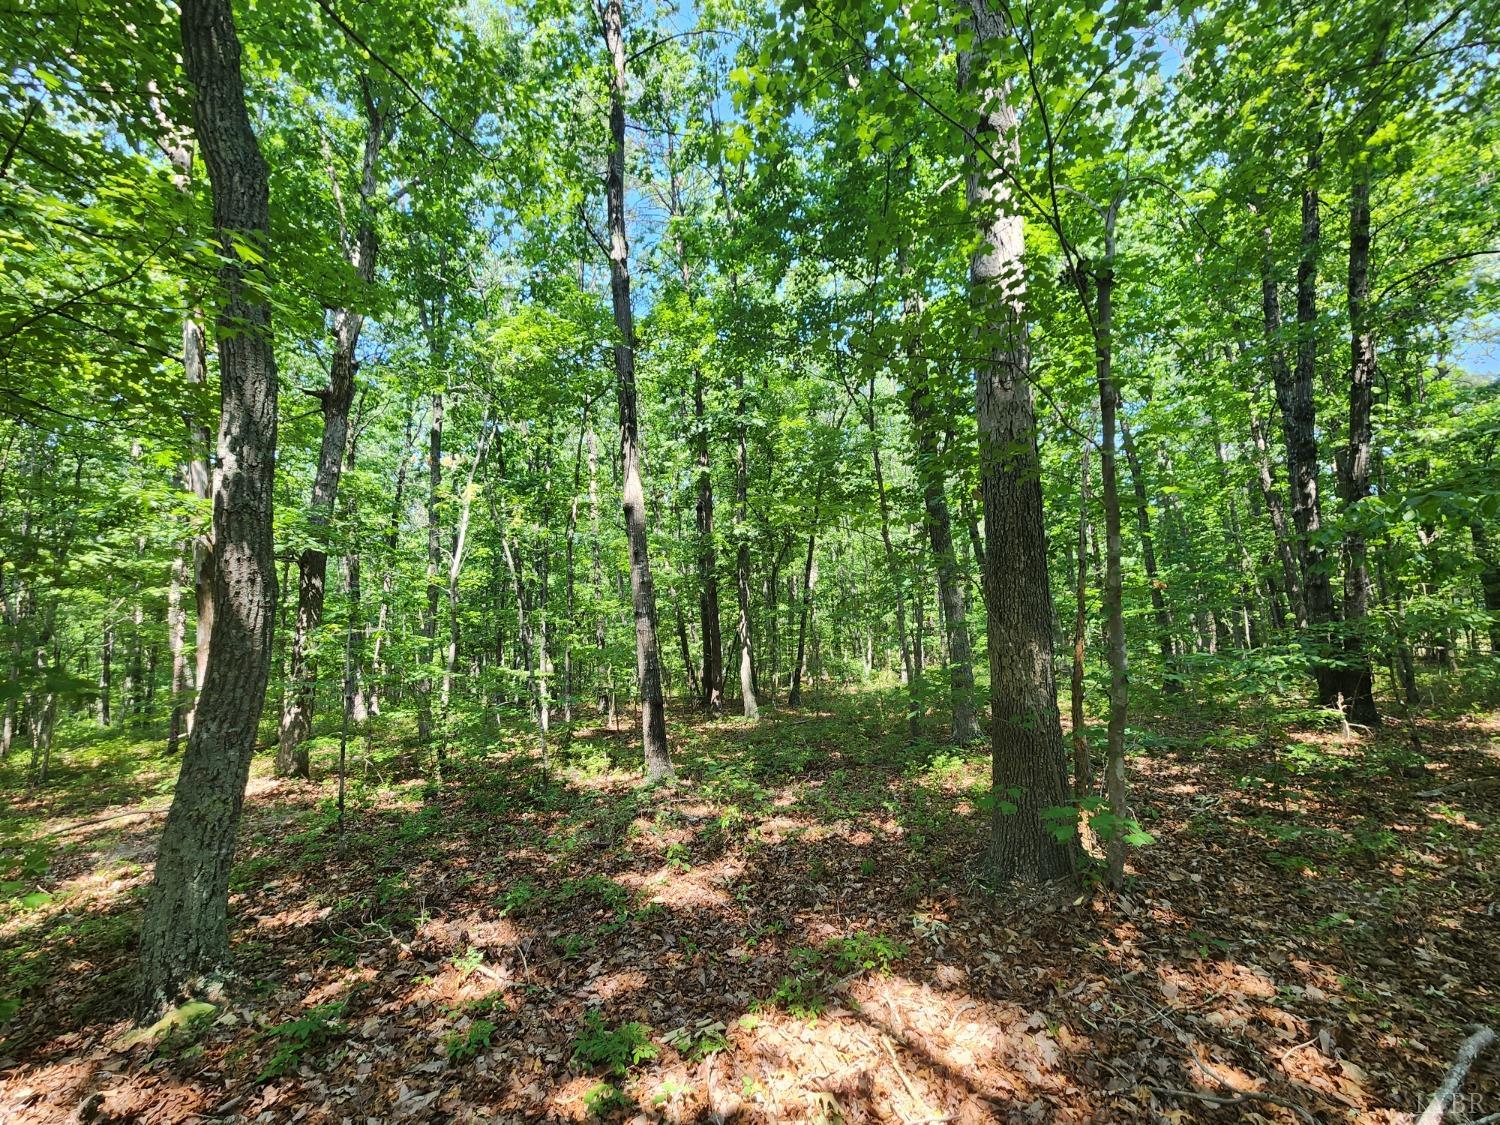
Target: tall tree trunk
x,y
434,568
356,699
1286,551
1356,681
177,647
658,761
742,555
1159,611
712,682
1083,767
1028,762
939,523
809,580
106,666
1114,608
336,398
1294,395
184,933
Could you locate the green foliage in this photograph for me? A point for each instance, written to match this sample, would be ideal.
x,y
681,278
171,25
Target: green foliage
x,y
612,1051
461,1046
604,1098
295,1039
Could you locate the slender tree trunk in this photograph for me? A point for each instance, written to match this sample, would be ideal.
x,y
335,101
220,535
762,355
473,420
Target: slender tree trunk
x,y
1114,609
1029,764
809,579
106,666
184,933
643,595
1286,551
1294,395
939,524
742,555
1357,683
1083,766
434,567
1159,611
712,681
177,647
604,686
336,399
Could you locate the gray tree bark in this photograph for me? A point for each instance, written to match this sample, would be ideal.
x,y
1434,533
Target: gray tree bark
x,y
184,933
1028,761
658,761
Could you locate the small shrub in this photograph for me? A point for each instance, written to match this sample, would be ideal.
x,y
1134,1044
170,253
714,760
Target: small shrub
x,y
614,1051
604,1098
461,1046
296,1038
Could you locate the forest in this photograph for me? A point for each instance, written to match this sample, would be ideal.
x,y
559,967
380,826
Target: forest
x,y
718,561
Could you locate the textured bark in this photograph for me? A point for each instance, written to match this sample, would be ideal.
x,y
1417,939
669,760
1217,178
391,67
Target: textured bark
x,y
1029,763
939,526
1356,682
184,935
658,761
336,398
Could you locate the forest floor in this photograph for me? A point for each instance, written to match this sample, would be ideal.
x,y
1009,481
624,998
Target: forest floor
x,y
793,932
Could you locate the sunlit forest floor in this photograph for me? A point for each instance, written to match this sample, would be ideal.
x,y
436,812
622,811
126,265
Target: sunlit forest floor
x,y
794,932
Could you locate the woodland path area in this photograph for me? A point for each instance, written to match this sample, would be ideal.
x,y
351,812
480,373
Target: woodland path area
x,y
792,932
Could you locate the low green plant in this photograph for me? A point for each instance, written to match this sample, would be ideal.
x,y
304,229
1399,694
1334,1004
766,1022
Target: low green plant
x,y
461,1046
294,1039
604,1098
612,1050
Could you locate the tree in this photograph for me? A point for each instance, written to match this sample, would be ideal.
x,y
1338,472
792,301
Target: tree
x,y
184,936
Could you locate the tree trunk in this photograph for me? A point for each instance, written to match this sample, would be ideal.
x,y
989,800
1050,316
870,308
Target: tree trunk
x,y
1114,609
1159,611
712,681
951,594
1083,767
434,568
336,398
742,556
1029,764
184,933
1356,681
1294,395
106,666
809,579
177,647
658,761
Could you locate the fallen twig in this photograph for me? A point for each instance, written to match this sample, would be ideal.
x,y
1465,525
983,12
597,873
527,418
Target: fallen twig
x,y
1481,1038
